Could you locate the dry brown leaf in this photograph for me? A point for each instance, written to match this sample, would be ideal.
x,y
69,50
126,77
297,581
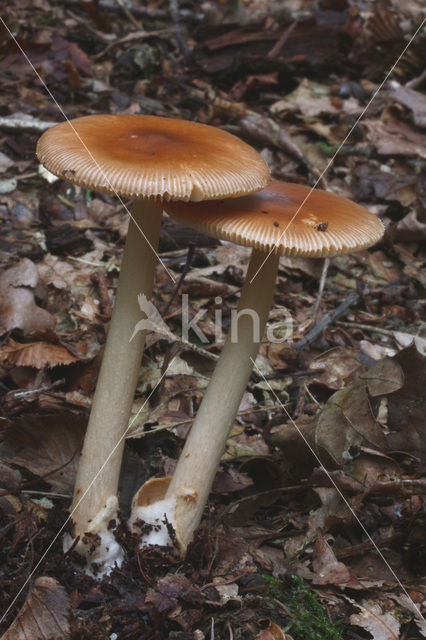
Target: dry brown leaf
x,y
348,419
18,309
335,367
48,446
44,615
392,137
35,354
328,570
406,406
382,626
413,100
410,228
273,632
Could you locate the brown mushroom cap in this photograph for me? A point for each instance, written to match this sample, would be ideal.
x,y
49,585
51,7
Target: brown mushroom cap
x,y
148,156
325,225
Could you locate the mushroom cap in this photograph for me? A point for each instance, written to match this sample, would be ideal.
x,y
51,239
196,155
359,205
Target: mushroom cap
x,y
149,156
294,219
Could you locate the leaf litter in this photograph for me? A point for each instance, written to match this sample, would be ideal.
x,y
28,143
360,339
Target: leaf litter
x,y
355,391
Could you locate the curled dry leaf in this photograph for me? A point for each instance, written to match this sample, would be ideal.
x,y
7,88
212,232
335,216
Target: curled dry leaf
x,y
382,626
48,446
273,632
35,354
406,405
414,101
44,615
335,367
328,570
18,309
347,419
392,137
410,228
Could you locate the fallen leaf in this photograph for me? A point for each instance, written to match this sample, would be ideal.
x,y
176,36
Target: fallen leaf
x,y
35,354
406,405
392,137
44,615
328,570
347,421
414,101
410,229
46,445
273,632
313,99
18,309
382,626
335,367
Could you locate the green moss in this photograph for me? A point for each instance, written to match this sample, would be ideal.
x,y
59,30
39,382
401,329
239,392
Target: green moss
x,y
328,150
309,619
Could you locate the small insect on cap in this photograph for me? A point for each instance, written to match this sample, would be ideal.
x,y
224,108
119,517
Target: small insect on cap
x,y
148,156
278,216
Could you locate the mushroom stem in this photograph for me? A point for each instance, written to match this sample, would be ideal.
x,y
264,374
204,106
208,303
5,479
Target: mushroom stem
x,y
186,496
95,501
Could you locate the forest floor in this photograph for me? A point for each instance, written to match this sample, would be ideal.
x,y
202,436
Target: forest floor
x,y
303,538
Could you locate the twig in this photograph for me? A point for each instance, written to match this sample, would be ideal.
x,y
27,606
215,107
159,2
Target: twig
x,y
130,37
282,40
189,258
313,334
228,626
46,493
30,392
367,327
128,13
24,122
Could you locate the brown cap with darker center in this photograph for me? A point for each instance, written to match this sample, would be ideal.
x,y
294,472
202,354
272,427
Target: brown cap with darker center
x,y
325,225
149,156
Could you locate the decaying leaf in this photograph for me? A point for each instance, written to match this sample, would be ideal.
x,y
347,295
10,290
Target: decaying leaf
x,y
406,407
414,101
35,354
392,137
44,615
48,446
18,309
348,419
335,367
272,632
328,570
382,626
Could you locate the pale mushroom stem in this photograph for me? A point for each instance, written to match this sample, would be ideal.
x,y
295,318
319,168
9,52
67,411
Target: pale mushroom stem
x,y
95,502
187,493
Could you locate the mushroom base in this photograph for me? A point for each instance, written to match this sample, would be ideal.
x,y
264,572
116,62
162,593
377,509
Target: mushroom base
x,y
98,544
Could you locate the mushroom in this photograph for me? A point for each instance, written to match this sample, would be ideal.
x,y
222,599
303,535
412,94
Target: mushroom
x,y
151,160
283,219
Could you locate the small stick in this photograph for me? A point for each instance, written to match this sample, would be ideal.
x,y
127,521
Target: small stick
x,y
281,41
313,334
189,258
367,327
128,14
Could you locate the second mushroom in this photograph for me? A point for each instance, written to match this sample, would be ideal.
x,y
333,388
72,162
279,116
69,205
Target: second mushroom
x,y
283,219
